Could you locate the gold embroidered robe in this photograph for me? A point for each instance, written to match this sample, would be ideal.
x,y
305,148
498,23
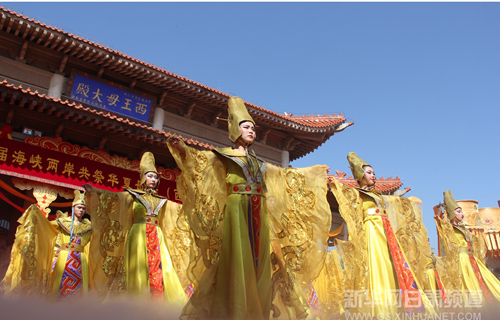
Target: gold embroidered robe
x,y
119,253
37,259
294,224
370,275
82,233
478,285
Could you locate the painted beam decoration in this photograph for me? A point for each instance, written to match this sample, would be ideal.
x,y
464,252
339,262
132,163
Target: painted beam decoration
x,y
110,97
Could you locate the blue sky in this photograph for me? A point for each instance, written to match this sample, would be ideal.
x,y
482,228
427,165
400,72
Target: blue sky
x,y
419,80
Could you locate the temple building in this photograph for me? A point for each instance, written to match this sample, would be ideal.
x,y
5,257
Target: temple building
x,y
73,111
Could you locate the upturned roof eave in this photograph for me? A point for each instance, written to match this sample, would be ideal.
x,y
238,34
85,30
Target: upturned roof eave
x,y
144,69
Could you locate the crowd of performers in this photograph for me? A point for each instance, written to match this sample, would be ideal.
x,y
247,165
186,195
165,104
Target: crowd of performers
x,y
250,242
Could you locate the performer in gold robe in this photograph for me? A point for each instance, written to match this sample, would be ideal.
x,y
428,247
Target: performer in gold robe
x,y
138,244
478,285
51,257
261,231
379,276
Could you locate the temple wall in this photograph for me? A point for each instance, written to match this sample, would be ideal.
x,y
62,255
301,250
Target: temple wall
x,y
19,73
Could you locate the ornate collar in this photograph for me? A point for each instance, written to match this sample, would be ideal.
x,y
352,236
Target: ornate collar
x,y
79,229
235,156
151,191
372,194
460,226
369,188
137,192
143,196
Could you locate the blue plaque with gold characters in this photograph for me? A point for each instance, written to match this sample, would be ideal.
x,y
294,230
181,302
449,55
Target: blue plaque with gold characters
x,y
110,97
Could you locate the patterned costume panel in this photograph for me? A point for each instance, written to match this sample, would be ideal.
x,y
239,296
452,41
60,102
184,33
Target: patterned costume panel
x,y
71,277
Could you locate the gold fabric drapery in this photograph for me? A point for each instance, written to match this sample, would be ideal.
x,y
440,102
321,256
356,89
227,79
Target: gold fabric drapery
x,y
298,217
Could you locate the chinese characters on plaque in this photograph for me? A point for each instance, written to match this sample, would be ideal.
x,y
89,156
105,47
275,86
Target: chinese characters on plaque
x,y
110,98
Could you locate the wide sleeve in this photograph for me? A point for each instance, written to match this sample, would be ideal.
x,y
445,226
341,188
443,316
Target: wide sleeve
x,y
111,216
354,251
479,247
178,239
449,251
58,242
405,215
31,257
202,189
300,218
330,286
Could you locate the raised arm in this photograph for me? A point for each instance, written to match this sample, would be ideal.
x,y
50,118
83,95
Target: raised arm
x,y
175,143
89,188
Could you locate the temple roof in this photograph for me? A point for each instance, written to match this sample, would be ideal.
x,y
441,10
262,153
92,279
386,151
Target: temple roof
x,y
89,116
65,51
383,185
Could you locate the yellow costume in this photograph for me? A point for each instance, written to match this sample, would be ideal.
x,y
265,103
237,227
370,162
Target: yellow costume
x,y
478,285
330,287
383,257
140,249
255,250
45,260
433,285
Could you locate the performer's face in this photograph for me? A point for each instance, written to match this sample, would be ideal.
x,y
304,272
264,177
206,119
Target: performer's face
x,y
151,180
247,132
79,210
459,214
369,178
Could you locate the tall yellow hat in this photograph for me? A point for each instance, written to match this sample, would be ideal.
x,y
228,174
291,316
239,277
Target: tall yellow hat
x,y
450,204
237,114
147,165
356,164
79,198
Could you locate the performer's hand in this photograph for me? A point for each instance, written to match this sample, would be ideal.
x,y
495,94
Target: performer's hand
x,y
87,187
331,180
175,142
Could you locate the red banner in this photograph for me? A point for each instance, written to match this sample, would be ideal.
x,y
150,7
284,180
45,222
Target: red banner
x,y
26,161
